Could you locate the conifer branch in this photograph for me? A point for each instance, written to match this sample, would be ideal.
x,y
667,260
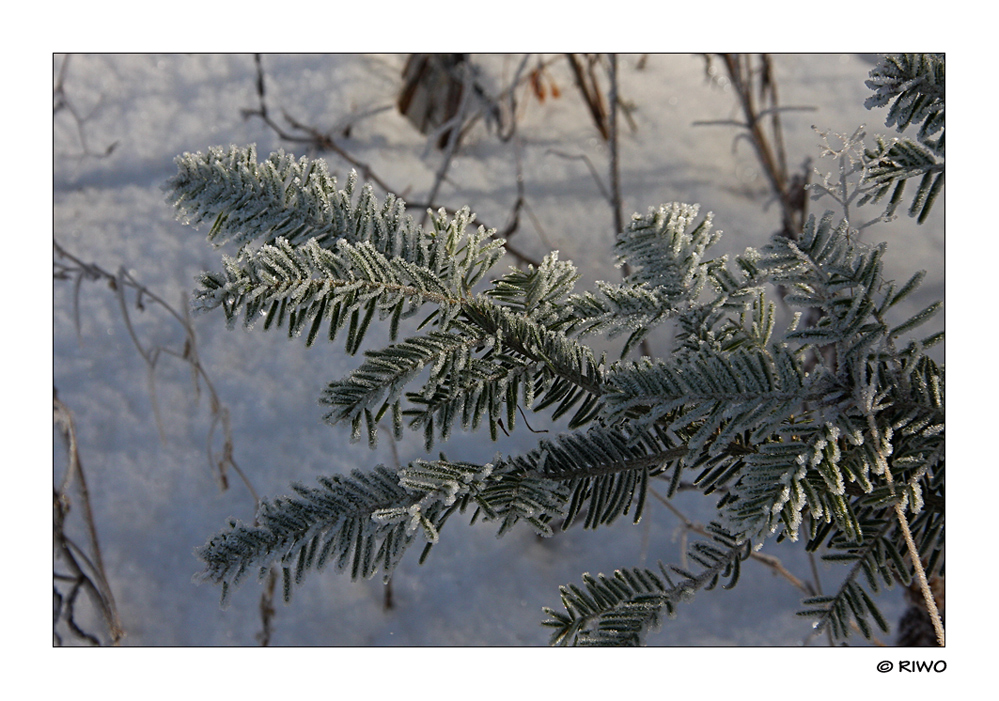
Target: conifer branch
x,y
620,610
310,285
364,523
913,86
841,449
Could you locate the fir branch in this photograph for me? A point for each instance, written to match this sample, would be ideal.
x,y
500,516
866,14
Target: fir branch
x,y
620,610
569,369
521,361
889,165
842,449
299,200
308,284
878,560
281,197
539,292
617,309
616,610
366,521
665,249
379,382
914,85
664,255
326,259
746,389
363,522
607,470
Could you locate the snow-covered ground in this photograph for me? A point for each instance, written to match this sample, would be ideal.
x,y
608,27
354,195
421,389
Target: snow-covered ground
x,y
155,499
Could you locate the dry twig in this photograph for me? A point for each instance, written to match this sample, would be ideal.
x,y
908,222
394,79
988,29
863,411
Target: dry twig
x,y
61,101
769,561
77,271
87,570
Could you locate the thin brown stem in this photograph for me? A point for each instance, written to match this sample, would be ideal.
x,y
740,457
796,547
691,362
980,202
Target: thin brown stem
x,y
80,270
769,560
917,565
267,609
615,175
586,81
96,583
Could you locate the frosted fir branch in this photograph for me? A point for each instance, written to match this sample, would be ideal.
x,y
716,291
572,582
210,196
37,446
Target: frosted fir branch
x,y
298,200
665,249
878,561
616,610
747,389
621,609
802,472
366,521
308,284
845,185
380,381
363,523
827,269
493,388
494,361
567,363
664,252
539,292
891,164
790,449
606,469
283,196
914,85
243,199
635,310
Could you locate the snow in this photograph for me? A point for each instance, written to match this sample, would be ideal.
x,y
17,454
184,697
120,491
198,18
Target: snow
x,y
156,499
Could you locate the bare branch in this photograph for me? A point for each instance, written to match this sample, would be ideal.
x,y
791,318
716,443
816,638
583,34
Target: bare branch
x,y
77,271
